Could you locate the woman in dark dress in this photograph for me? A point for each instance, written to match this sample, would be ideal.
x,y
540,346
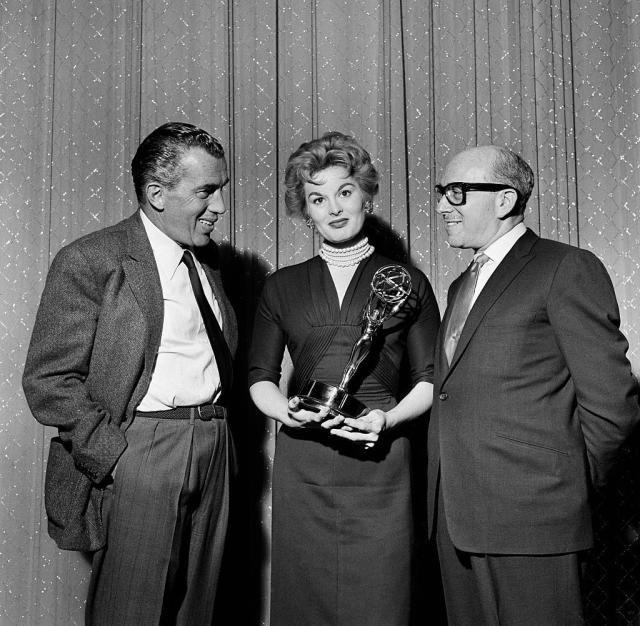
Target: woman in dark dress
x,y
342,519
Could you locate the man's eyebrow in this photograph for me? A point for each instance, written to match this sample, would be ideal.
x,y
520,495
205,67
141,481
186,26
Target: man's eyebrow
x,y
213,186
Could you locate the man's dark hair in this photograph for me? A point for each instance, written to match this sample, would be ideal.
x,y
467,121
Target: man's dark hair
x,y
158,156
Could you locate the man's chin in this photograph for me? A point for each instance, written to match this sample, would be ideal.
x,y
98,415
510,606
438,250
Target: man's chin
x,y
201,240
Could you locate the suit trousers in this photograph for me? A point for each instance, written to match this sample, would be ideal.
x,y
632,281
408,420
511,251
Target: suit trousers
x,y
166,517
507,590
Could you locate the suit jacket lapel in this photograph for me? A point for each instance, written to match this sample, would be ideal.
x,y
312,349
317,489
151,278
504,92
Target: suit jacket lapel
x,y
509,268
141,272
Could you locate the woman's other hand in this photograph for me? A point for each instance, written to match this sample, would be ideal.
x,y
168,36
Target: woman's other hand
x,y
366,429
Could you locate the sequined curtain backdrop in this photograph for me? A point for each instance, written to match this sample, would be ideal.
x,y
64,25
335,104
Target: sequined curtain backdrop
x,y
415,81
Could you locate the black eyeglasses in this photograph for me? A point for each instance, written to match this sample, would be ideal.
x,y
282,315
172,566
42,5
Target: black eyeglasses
x,y
456,193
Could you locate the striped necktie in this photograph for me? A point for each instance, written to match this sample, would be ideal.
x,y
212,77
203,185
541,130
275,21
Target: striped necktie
x,y
461,305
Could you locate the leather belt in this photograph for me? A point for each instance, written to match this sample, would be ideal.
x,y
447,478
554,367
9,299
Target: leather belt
x,y
204,412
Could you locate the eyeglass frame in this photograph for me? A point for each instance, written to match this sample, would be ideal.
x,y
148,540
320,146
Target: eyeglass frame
x,y
464,187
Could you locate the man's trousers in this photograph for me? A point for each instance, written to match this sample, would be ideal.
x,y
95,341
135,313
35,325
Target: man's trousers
x,y
166,520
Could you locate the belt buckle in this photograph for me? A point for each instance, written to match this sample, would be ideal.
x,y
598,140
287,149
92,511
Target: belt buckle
x,y
203,417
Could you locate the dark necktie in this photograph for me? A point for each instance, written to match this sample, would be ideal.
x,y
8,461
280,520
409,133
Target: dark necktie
x,y
462,304
218,343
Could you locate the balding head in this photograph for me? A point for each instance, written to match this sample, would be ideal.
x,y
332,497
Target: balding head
x,y
485,189
497,164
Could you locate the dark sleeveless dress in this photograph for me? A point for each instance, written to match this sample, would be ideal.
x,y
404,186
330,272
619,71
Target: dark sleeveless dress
x,y
342,519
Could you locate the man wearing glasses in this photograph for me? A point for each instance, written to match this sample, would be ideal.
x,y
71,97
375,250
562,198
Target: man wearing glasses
x,y
533,395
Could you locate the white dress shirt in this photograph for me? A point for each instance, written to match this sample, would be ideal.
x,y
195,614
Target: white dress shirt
x,y
496,253
185,372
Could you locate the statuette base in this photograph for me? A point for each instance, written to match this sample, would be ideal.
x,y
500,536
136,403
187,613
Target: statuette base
x,y
315,395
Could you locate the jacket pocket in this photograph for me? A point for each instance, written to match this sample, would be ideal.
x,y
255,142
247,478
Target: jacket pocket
x,y
529,444
71,502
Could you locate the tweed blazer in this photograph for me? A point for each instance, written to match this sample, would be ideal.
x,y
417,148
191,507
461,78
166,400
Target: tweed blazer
x,y
89,364
534,406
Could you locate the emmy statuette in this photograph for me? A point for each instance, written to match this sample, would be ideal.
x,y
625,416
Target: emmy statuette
x,y
390,287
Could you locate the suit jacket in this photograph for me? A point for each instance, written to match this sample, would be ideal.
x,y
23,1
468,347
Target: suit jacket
x,y
536,402
94,344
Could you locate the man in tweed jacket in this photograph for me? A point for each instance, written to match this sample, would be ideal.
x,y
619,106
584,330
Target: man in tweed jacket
x,y
121,363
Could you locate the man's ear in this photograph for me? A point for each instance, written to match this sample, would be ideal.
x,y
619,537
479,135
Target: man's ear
x,y
155,195
506,201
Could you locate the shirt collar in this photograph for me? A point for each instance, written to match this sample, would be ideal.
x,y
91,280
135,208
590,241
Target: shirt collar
x,y
500,247
167,253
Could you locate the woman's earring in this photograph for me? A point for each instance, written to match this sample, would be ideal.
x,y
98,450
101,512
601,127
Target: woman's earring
x,y
368,207
309,223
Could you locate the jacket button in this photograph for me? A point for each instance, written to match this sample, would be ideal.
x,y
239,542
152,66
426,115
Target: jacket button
x,y
443,396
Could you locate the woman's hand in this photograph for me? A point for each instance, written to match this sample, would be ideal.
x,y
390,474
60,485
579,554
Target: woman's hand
x,y
288,411
303,418
366,429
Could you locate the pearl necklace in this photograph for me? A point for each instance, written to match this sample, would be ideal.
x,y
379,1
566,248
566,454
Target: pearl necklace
x,y
346,257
